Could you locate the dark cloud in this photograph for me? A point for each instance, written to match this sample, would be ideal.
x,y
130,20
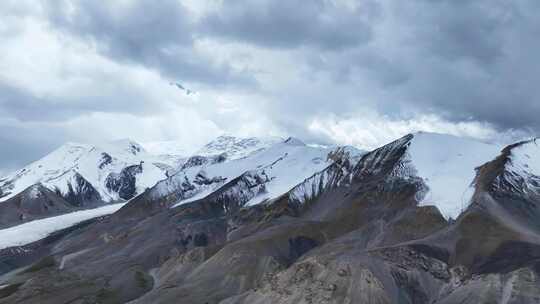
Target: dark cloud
x,y
472,60
459,59
462,60
457,29
129,29
156,34
290,24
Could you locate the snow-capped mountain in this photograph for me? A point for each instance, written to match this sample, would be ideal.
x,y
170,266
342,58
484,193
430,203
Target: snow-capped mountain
x,y
274,169
447,166
176,155
87,174
235,147
442,167
171,153
444,164
302,222
258,170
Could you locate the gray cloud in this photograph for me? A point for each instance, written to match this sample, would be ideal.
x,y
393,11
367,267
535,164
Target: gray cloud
x,y
156,34
473,60
462,60
289,24
458,29
281,63
134,29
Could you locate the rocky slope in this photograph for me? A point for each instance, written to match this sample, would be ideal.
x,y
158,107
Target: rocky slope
x,y
378,227
35,202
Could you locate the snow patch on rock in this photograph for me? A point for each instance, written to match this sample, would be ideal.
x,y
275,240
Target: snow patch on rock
x,y
36,230
522,171
447,166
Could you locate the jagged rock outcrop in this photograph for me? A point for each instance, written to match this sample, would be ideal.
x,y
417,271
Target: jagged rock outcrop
x,y
124,183
80,192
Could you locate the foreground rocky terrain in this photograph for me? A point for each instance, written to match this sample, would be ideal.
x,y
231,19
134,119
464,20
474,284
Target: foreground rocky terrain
x,y
425,219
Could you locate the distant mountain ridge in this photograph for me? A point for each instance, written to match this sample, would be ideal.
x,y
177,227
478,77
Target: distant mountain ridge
x,y
87,174
425,219
236,147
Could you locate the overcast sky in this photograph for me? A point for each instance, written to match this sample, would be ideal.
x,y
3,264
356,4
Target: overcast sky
x,y
354,72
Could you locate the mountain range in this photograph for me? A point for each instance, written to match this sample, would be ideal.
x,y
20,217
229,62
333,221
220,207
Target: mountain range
x,y
427,218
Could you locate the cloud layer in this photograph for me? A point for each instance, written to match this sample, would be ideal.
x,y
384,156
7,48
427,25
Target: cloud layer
x,y
350,71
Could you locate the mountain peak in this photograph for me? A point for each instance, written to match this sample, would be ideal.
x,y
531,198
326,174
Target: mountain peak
x,y
71,147
444,163
125,144
236,147
293,141
76,168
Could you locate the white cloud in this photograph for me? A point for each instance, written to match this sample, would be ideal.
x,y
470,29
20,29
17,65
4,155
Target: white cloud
x,y
370,130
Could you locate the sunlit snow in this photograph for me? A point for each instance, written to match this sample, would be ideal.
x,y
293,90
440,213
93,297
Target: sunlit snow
x,y
447,166
58,170
286,164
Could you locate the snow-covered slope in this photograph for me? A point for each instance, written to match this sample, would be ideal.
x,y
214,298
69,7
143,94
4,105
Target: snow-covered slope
x,y
443,167
235,147
526,158
39,229
88,173
171,153
446,165
522,169
274,170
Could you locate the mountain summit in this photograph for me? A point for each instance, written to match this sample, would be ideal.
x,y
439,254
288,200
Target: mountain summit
x,y
89,174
